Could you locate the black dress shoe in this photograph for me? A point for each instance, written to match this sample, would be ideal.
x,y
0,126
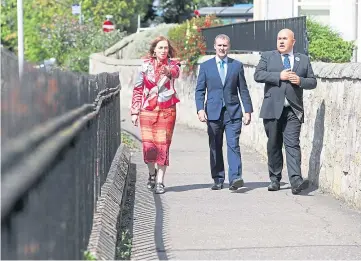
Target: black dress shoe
x,y
274,186
217,186
303,185
236,184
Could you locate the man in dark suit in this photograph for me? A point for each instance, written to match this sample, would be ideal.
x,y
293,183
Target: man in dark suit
x,y
285,75
223,78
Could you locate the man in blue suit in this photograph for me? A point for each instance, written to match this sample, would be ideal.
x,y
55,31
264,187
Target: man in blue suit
x,y
223,78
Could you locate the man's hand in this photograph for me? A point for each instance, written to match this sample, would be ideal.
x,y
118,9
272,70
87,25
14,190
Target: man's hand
x,y
294,78
247,118
285,74
135,119
202,116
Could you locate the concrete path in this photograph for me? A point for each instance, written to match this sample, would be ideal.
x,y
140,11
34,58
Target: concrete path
x,y
190,221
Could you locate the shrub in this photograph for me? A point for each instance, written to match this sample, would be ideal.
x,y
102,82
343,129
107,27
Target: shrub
x,y
71,44
188,39
326,45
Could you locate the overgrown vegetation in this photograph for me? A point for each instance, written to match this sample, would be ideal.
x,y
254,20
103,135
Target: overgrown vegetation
x,y
326,45
124,249
71,43
128,140
189,41
125,219
89,256
50,29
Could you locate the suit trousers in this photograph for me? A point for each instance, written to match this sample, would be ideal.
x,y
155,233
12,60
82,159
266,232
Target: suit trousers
x,y
285,130
232,128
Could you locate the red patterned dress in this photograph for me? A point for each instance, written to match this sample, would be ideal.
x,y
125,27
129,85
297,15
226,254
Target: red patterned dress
x,y
154,100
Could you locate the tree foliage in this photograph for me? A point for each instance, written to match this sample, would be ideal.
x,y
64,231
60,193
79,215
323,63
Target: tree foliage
x,y
188,39
122,11
71,43
41,23
38,15
176,11
326,45
203,3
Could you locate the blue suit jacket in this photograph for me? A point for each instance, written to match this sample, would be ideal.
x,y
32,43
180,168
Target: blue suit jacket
x,y
235,82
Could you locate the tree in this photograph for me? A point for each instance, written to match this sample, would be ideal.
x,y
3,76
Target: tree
x,y
175,11
204,3
38,15
150,14
8,24
327,45
71,43
42,15
233,2
123,11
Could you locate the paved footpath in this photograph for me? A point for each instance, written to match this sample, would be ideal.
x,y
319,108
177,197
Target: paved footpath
x,y
190,221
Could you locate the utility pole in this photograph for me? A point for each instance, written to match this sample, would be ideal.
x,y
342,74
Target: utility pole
x,y
20,37
80,13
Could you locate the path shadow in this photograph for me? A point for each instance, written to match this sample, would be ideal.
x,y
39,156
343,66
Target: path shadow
x,y
188,187
160,234
314,166
248,186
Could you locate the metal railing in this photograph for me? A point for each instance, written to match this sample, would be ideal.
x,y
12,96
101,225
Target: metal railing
x,y
56,154
258,36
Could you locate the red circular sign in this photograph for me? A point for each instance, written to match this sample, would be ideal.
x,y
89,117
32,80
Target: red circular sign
x,y
108,26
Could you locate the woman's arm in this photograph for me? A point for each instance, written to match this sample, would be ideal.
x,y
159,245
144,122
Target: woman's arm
x,y
137,94
174,69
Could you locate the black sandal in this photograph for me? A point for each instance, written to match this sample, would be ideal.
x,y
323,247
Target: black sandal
x,y
151,180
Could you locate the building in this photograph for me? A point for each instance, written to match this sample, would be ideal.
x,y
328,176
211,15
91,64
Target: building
x,y
342,15
230,14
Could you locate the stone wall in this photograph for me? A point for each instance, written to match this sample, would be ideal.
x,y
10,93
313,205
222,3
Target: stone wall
x,y
330,137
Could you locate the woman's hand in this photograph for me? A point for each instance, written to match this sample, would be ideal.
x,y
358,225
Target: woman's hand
x,y
135,119
165,70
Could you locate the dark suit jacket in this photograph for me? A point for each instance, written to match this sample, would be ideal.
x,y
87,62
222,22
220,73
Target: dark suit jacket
x,y
209,79
268,71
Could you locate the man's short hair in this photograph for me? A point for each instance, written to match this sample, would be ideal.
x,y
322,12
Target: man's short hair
x,y
222,36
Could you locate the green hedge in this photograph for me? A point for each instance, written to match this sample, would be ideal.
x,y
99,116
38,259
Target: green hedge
x,y
326,45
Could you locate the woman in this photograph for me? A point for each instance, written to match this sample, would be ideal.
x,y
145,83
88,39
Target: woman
x,y
154,105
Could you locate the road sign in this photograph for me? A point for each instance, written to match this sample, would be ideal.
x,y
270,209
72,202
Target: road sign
x,y
75,9
108,26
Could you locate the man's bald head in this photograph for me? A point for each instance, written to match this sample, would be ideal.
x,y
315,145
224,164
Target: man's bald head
x,y
285,41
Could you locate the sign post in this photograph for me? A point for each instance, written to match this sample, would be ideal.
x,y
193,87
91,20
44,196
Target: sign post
x,y
76,10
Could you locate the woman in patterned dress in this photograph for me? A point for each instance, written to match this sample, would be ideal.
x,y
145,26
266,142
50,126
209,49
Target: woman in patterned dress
x,y
154,105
